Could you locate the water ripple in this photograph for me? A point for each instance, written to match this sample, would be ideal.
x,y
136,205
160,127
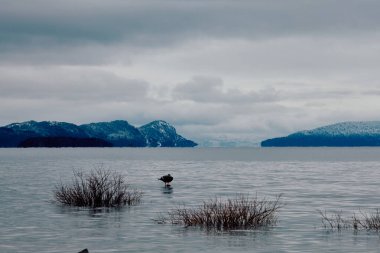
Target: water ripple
x,y
30,222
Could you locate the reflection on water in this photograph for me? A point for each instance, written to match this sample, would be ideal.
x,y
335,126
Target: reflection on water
x,y
310,179
91,212
168,189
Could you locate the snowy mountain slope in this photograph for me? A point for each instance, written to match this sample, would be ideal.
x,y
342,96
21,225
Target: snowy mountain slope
x,y
161,134
345,134
367,128
118,132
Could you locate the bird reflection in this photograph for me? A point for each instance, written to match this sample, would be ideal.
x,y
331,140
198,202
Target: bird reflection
x,y
167,190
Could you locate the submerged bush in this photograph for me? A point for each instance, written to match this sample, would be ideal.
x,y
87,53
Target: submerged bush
x,y
98,188
334,220
362,221
241,212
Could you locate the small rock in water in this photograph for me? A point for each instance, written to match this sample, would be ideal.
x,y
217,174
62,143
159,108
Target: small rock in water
x,y
84,251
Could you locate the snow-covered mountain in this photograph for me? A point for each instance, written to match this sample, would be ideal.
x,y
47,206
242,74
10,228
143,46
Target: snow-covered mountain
x,y
161,134
117,133
361,133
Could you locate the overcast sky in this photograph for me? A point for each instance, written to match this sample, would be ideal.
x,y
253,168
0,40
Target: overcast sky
x,y
219,71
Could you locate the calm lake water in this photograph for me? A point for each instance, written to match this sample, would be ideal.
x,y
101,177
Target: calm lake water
x,y
332,179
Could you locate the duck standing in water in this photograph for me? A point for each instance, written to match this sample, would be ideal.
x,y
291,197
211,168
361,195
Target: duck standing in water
x,y
166,179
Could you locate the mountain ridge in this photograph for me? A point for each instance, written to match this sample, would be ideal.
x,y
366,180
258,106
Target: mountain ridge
x,y
117,133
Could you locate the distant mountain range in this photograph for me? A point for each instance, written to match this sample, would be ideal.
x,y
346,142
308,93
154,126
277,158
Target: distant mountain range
x,y
346,134
118,133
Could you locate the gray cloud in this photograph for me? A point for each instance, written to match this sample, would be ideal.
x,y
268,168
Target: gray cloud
x,y
210,90
66,83
113,20
46,25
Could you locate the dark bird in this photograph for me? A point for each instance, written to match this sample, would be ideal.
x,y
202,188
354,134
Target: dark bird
x,y
166,179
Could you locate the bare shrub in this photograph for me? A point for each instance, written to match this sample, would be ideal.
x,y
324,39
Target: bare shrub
x,y
362,221
241,212
334,220
98,188
368,221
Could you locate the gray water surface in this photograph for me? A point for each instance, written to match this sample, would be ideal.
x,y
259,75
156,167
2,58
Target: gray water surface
x,y
332,179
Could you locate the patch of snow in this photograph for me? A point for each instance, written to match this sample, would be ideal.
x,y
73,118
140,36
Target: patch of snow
x,y
346,128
